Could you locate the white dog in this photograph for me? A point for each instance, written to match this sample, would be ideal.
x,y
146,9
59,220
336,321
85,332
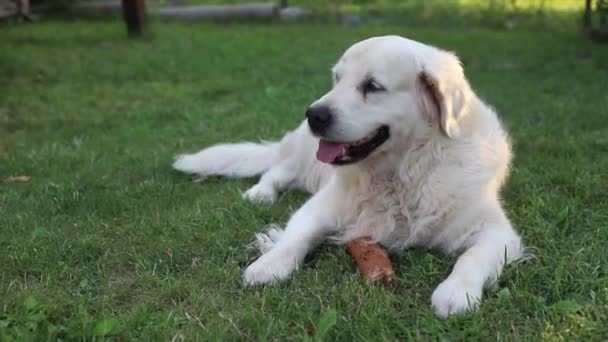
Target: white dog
x,y
402,151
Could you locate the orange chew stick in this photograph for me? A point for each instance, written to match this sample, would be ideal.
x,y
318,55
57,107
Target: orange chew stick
x,y
372,260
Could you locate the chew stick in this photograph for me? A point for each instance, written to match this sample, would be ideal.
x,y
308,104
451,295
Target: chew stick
x,y
372,260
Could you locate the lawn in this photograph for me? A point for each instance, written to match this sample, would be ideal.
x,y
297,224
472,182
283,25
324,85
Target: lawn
x,y
105,239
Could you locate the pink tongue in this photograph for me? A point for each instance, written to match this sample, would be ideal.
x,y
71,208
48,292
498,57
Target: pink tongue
x,y
328,152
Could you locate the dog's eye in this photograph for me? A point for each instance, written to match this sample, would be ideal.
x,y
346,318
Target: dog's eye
x,y
371,86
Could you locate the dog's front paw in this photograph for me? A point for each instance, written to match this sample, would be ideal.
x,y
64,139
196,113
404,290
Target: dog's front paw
x,y
260,194
269,268
264,242
455,296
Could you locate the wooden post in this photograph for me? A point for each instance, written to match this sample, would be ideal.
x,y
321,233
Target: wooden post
x,y
587,15
24,9
134,13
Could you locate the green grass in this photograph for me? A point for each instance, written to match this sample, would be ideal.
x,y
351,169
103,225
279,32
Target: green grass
x,y
106,240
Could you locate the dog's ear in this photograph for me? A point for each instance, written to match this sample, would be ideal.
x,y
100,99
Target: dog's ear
x,y
444,92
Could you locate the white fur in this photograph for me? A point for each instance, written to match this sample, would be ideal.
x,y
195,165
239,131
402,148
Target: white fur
x,y
434,184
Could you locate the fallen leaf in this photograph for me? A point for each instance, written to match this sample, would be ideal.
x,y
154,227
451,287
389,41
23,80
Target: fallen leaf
x,y
311,330
17,179
169,251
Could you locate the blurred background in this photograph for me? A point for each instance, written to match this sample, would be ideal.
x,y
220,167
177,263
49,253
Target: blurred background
x,y
491,13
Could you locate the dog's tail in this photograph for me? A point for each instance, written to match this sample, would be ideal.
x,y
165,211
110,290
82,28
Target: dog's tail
x,y
230,160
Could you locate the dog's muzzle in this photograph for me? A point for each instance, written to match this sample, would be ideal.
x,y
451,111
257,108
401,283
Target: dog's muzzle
x,y
319,118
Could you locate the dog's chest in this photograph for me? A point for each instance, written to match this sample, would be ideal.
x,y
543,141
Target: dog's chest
x,y
389,210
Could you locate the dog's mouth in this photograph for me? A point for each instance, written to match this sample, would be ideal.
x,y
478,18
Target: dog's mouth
x,y
351,152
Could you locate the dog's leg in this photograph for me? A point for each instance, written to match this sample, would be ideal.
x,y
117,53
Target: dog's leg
x,y
286,250
479,266
274,180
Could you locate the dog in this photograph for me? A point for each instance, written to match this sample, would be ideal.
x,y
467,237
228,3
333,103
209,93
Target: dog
x,y
400,150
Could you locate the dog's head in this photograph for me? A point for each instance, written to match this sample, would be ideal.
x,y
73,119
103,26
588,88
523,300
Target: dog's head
x,y
387,89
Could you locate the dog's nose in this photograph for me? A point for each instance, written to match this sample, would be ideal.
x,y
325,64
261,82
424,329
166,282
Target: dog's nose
x,y
319,118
